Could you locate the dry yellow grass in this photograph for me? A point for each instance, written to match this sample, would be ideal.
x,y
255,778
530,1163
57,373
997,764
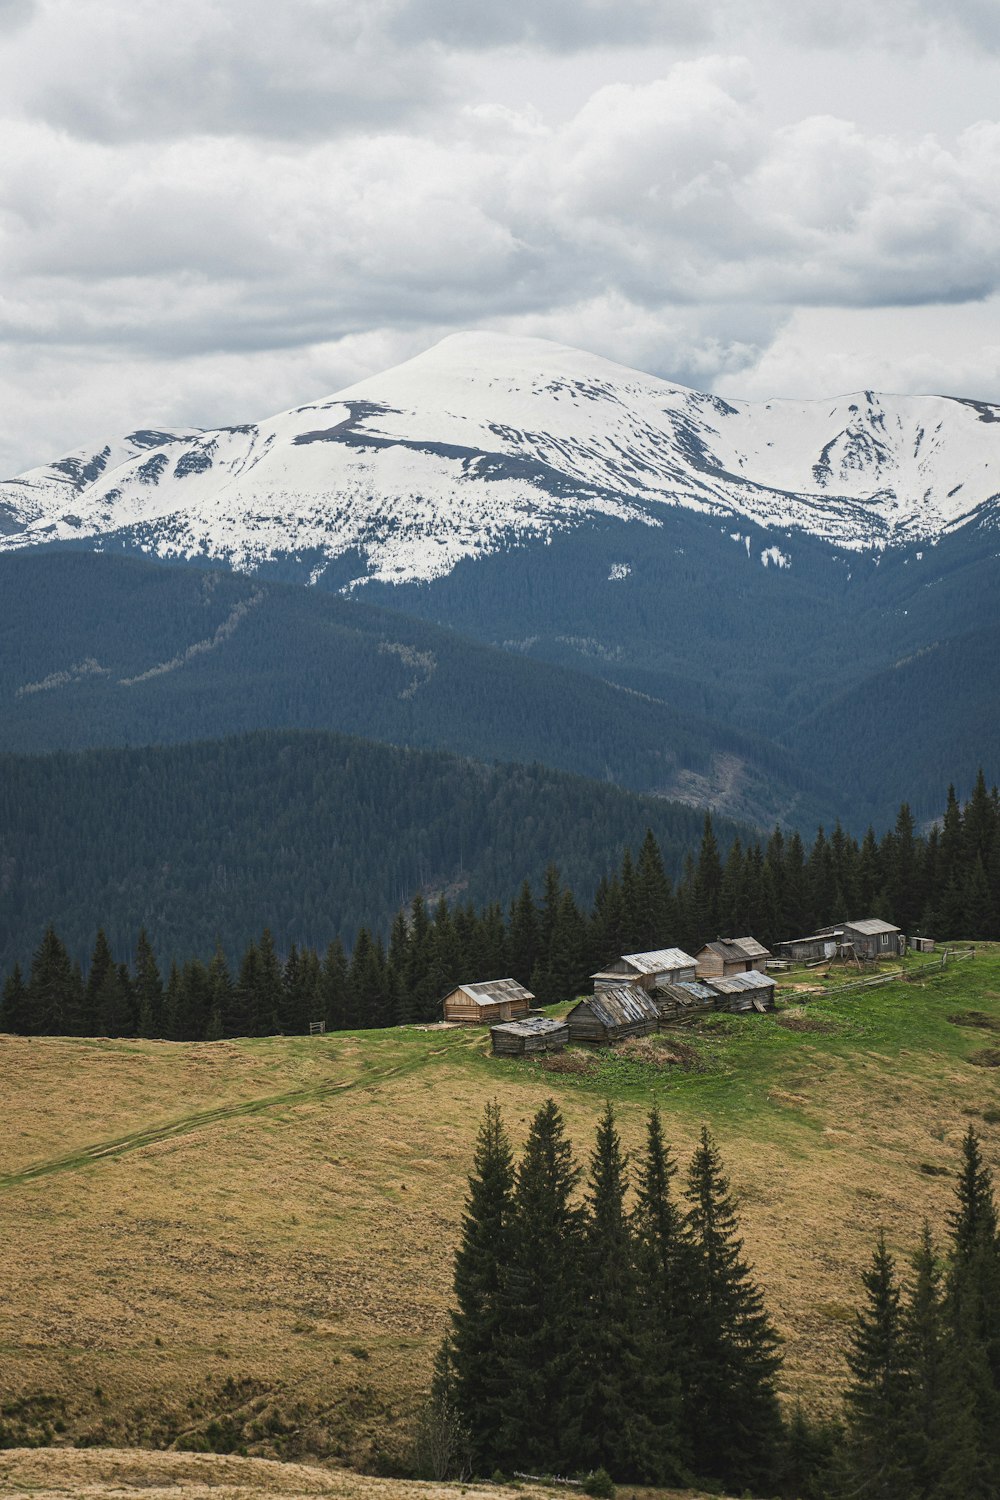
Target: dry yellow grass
x,y
288,1270
110,1474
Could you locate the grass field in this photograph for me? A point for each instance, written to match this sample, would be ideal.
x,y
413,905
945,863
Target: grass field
x,y
249,1243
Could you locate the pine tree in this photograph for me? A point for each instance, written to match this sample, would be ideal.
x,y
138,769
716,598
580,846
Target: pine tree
x,y
54,991
625,1420
928,1410
537,1414
879,1393
974,1216
480,1267
101,964
522,935
15,1016
666,1290
148,989
333,987
220,995
656,904
731,1408
707,886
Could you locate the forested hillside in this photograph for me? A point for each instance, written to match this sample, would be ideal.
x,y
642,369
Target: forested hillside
x,y
99,650
947,884
311,834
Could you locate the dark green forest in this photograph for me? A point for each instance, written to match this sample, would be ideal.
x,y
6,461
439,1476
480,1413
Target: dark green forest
x,y
947,884
311,834
98,651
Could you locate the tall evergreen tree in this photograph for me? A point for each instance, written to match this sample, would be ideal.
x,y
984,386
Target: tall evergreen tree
x,y
879,1394
627,1404
732,1411
481,1260
538,1411
148,989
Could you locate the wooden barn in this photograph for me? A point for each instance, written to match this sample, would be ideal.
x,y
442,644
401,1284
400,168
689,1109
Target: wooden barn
x,y
487,1002
744,992
807,950
730,956
611,1015
681,1001
649,970
872,938
536,1034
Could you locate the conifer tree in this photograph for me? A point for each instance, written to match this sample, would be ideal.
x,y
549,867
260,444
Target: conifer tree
x,y
879,1393
538,1413
707,885
731,1410
333,986
656,905
101,965
220,994
627,1404
929,1410
974,1216
148,989
666,1289
54,990
14,1013
481,1261
523,935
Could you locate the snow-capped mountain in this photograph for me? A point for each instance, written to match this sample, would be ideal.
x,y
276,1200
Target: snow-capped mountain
x,y
487,440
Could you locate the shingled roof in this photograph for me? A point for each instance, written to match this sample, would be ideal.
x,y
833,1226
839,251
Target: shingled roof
x,y
739,948
659,960
623,1006
496,991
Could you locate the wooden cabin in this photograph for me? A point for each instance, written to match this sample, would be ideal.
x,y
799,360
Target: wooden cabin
x,y
807,950
648,970
872,938
684,1000
487,1002
730,956
744,992
536,1034
611,1015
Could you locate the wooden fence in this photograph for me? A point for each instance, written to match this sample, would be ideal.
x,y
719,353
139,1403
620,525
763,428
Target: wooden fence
x,y
896,976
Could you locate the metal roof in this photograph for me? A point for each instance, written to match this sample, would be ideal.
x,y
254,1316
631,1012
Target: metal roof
x,y
533,1026
495,991
659,960
742,947
753,979
623,1006
871,926
687,991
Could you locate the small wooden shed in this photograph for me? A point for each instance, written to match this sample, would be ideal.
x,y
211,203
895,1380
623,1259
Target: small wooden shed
x,y
873,938
730,956
922,944
744,992
681,1001
611,1015
649,970
487,1001
806,950
536,1034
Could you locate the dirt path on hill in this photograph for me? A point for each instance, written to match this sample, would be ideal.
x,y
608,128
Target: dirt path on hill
x,y
202,1119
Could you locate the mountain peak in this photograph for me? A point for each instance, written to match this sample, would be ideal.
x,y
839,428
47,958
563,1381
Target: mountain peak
x,y
490,439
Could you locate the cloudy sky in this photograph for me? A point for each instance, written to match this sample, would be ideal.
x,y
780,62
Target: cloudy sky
x,y
213,209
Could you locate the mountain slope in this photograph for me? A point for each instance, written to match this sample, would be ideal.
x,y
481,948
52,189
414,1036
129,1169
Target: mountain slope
x,y
312,834
98,650
486,440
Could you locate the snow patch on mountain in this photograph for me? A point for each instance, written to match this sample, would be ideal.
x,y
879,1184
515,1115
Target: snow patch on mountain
x,y
487,440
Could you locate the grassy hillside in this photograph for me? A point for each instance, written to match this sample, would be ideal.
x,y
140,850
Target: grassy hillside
x,y
110,1474
258,1234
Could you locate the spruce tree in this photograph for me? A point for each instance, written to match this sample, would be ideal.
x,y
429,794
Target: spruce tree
x,y
666,1290
94,1021
481,1262
148,989
731,1407
537,1412
974,1215
54,991
626,1402
879,1394
14,1013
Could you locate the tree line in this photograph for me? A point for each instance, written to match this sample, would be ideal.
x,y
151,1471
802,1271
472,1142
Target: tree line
x,y
946,882
624,1331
